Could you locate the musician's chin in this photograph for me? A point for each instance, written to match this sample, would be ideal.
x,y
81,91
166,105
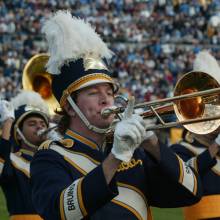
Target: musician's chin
x,y
104,123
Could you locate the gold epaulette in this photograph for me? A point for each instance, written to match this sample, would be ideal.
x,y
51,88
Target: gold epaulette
x,y
67,143
45,145
18,153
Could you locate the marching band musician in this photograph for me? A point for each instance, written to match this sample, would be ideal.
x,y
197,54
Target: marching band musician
x,y
22,119
202,153
82,176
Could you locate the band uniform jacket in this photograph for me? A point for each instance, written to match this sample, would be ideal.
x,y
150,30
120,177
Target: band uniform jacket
x,y
15,182
68,182
197,156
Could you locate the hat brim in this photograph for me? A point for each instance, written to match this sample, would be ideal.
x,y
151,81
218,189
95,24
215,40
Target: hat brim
x,y
86,81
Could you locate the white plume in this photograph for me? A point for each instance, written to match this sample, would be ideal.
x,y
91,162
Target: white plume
x,y
206,62
30,98
71,38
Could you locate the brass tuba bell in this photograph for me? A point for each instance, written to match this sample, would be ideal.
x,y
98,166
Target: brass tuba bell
x,y
35,78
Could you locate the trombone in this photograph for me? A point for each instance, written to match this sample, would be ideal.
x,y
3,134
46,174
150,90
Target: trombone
x,y
196,104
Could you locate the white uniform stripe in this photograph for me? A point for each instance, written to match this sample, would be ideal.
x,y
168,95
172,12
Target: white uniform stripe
x,y
1,167
132,199
20,164
71,202
188,176
196,150
127,196
192,162
81,161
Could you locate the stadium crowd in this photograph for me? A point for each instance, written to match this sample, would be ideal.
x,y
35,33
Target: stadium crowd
x,y
154,41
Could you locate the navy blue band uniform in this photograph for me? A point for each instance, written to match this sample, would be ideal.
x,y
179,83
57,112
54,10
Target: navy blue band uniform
x,y
15,182
68,182
197,156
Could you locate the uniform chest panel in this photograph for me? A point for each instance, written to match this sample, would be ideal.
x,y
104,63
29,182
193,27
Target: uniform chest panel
x,y
85,164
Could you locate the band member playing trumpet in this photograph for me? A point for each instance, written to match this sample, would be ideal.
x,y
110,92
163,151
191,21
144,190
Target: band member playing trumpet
x,y
22,119
82,176
202,153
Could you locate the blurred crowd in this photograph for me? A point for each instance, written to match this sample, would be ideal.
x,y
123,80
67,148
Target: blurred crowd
x,y
155,41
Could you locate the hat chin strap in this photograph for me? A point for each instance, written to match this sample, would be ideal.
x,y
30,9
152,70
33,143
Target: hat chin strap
x,y
29,144
84,119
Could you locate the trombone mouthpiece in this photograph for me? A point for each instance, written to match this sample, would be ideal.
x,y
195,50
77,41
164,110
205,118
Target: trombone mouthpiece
x,y
111,110
106,112
41,132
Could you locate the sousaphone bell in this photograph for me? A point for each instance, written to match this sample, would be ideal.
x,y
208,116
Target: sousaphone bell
x,y
36,78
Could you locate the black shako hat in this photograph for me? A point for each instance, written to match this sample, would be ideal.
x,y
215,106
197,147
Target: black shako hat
x,y
78,56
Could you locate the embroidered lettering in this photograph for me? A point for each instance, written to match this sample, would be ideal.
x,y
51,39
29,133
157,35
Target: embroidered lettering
x,y
71,204
132,163
188,171
70,198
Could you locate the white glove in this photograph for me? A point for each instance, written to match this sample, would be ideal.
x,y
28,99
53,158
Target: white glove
x,y
148,134
6,110
217,140
129,134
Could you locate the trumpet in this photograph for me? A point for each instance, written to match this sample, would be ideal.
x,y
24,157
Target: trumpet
x,y
196,104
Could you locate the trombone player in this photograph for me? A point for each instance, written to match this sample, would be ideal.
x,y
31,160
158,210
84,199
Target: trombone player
x,y
23,117
82,176
202,153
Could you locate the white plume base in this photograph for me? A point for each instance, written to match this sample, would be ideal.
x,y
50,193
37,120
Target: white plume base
x,y
71,38
205,62
30,98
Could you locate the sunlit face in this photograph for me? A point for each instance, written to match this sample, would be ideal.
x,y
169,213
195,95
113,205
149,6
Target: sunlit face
x,y
93,100
30,128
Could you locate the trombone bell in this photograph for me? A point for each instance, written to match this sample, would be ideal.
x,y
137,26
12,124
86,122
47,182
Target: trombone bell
x,y
191,108
197,107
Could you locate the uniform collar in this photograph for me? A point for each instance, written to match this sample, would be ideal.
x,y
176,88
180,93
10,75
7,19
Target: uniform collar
x,y
78,137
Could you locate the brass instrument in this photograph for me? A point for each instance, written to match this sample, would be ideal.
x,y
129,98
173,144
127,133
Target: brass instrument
x,y
35,78
196,104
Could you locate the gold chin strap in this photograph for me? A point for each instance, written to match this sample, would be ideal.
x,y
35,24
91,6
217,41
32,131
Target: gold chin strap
x,y
85,120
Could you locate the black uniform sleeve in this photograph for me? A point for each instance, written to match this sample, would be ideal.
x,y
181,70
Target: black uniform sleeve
x,y
5,149
172,183
205,162
6,170
62,192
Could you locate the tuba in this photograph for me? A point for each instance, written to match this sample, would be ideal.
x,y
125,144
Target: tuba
x,y
35,78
